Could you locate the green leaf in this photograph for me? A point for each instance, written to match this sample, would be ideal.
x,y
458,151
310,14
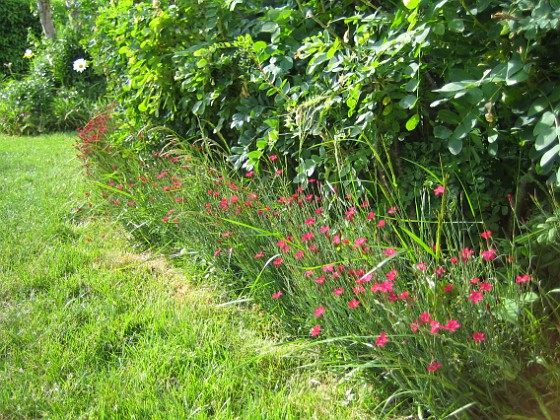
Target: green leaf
x,y
550,156
408,101
411,4
412,122
456,86
538,106
457,25
442,132
455,145
202,63
259,46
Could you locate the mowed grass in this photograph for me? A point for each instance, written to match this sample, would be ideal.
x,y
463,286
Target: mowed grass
x,y
91,329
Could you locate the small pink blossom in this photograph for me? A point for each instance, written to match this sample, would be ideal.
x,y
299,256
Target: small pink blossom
x,y
320,279
448,288
434,366
451,325
278,261
315,331
487,234
523,279
381,224
319,311
485,287
489,255
389,252
421,266
478,337
439,190
338,292
276,295
475,296
299,254
360,241
354,303
381,340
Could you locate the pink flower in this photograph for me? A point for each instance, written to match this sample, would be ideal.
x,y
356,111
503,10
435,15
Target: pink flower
x,y
390,252
358,289
299,254
391,275
381,224
392,210
308,273
324,229
360,241
474,280
466,254
250,174
487,234
489,255
276,295
478,337
440,271
451,325
315,331
370,215
259,255
454,260
354,303
307,236
278,261
336,239
485,287
434,366
320,280
448,288
381,340
319,311
217,252
523,279
329,268
338,292
434,327
439,190
421,266
424,317
350,213
310,221
273,157
475,296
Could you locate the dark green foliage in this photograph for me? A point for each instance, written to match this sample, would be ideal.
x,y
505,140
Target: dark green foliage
x,y
53,96
16,19
338,87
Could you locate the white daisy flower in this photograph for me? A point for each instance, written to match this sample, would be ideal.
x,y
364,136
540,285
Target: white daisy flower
x,y
80,65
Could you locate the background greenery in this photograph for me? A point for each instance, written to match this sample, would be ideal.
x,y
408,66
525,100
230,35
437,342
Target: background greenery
x,y
237,131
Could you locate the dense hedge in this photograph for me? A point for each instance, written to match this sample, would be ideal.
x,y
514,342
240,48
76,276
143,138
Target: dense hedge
x,y
16,19
339,87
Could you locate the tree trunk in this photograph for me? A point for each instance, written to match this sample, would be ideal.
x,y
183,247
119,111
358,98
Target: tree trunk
x,y
45,15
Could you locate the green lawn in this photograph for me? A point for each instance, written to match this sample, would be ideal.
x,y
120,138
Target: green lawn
x,y
91,329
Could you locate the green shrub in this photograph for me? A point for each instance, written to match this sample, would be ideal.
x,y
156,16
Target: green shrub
x,y
16,20
331,86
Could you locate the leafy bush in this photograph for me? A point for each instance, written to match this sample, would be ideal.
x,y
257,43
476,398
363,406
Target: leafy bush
x,y
16,21
53,96
332,86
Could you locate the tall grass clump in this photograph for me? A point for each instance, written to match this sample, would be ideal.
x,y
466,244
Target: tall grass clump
x,y
442,317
